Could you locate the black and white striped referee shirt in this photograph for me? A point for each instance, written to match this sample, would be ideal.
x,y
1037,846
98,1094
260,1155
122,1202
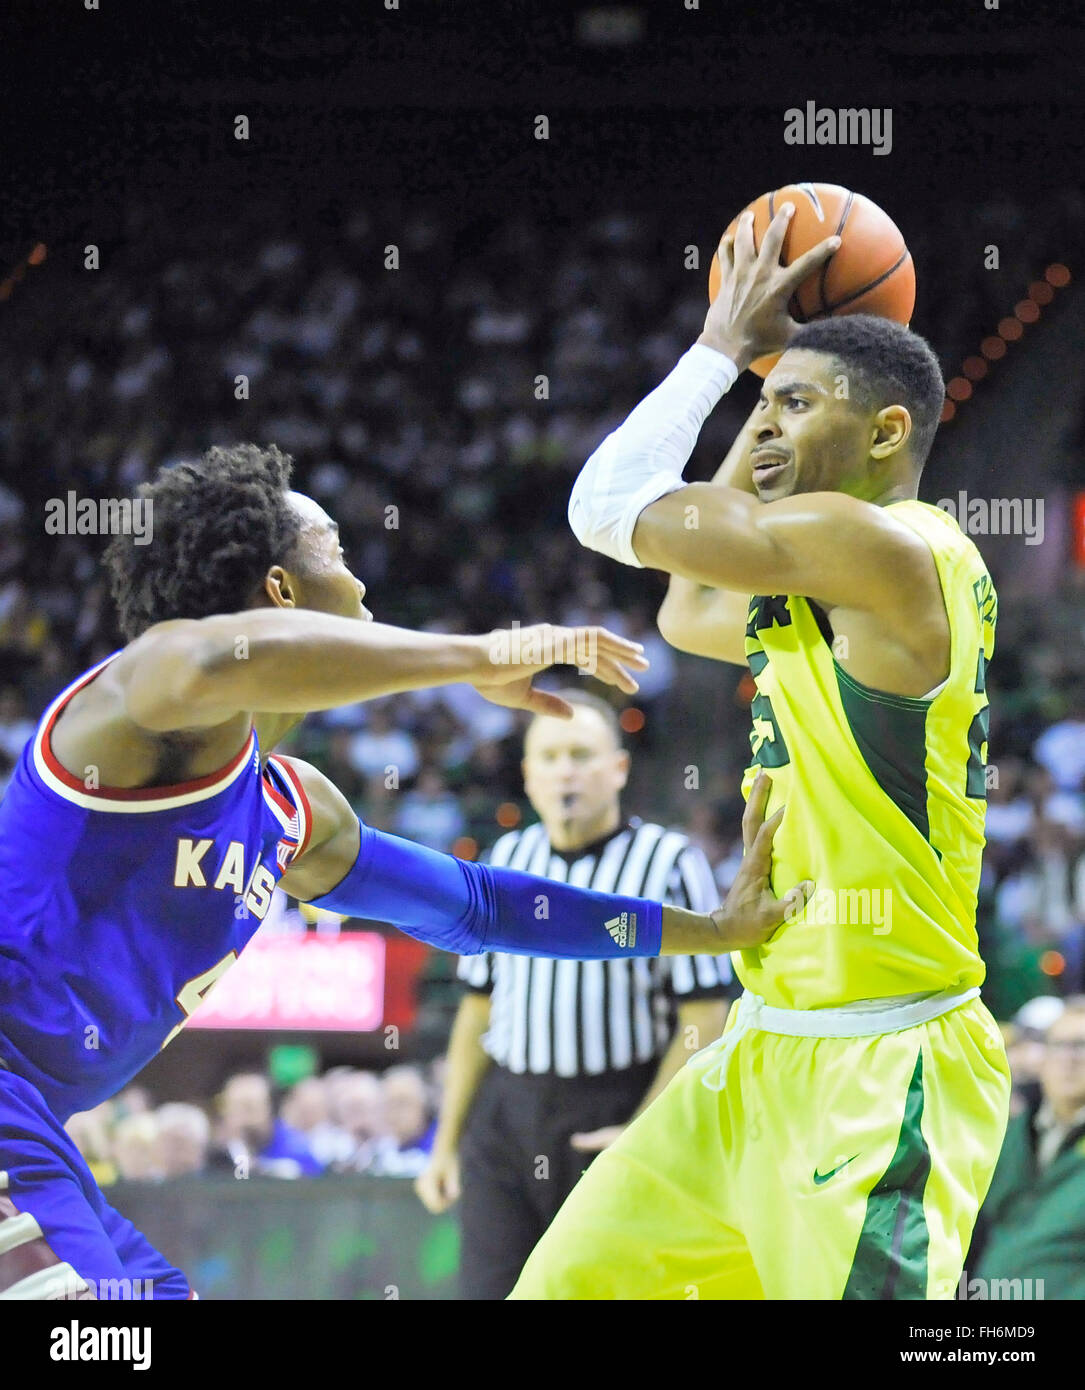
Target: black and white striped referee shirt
x,y
583,1017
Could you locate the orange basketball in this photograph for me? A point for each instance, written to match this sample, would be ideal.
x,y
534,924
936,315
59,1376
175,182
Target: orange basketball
x,y
870,273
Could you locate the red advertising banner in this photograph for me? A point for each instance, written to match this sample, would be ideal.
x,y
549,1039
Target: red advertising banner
x,y
301,982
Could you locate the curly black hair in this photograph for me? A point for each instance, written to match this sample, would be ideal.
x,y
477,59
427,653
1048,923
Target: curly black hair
x,y
887,364
217,526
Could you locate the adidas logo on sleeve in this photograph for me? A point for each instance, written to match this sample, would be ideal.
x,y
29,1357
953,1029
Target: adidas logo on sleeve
x,y
623,929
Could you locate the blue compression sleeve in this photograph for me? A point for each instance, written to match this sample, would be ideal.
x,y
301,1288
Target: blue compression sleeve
x,y
469,908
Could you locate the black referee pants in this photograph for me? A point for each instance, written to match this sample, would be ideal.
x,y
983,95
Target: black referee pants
x,y
517,1166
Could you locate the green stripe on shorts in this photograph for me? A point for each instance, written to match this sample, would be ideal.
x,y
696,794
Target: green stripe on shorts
x,y
891,1256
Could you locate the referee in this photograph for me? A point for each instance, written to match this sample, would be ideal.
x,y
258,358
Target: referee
x,y
550,1059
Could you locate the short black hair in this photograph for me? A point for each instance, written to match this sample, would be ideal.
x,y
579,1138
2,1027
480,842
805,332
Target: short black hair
x,y
887,364
217,527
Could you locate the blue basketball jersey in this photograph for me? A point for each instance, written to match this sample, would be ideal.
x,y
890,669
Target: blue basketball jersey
x,y
120,909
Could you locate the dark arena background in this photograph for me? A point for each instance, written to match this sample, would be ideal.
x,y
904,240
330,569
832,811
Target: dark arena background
x,y
436,251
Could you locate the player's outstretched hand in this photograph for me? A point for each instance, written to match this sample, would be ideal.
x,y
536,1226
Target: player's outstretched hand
x,y
749,317
517,655
752,911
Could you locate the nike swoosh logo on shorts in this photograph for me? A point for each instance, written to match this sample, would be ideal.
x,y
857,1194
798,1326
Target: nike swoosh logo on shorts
x,y
819,1178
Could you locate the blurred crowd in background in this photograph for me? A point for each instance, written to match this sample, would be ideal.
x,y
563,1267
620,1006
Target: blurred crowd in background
x,y
439,408
344,1121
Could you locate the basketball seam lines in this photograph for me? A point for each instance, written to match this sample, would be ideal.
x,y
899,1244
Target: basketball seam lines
x,y
858,294
825,265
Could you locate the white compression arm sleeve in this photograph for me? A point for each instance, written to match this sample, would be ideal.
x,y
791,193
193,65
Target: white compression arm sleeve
x,y
643,458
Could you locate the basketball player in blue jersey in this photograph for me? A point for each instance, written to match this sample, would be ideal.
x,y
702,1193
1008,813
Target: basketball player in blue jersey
x,y
147,825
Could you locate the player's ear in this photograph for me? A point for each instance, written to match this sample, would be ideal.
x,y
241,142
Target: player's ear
x,y
892,426
622,762
279,588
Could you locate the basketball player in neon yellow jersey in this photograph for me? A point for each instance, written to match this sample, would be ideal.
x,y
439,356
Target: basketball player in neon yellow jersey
x,y
838,1140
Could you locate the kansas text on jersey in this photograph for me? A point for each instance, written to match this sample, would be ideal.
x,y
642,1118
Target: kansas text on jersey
x,y
120,909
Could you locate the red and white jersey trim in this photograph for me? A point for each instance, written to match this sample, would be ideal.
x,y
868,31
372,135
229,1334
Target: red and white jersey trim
x,y
126,800
294,815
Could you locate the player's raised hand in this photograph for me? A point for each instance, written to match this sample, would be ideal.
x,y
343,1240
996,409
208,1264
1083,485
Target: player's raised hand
x,y
752,912
749,316
516,655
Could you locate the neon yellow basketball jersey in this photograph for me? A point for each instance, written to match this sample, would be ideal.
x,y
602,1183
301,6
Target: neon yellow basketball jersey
x,y
885,795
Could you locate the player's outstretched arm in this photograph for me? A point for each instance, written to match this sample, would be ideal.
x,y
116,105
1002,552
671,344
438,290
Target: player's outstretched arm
x,y
197,673
468,908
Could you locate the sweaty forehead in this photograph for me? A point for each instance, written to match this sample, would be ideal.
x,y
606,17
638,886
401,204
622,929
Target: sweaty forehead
x,y
311,514
799,365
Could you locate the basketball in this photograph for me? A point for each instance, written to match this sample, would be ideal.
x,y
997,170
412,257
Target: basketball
x,y
870,273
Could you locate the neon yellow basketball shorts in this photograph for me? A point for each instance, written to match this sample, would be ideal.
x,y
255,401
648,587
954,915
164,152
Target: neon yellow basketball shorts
x,y
824,1168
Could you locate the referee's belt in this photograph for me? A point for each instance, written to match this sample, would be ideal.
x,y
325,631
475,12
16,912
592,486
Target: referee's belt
x,y
752,1014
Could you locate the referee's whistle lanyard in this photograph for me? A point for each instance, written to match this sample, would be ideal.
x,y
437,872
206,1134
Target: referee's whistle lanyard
x,y
752,1013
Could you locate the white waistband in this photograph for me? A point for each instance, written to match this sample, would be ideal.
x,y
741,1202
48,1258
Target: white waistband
x,y
860,1021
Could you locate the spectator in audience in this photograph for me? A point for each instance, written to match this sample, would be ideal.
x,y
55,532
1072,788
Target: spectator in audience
x,y
358,1110
89,1131
24,627
133,1100
1025,1045
1061,748
339,767
1052,802
382,751
430,814
252,1139
306,1110
183,1140
47,678
1032,1225
135,1148
15,725
405,1149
